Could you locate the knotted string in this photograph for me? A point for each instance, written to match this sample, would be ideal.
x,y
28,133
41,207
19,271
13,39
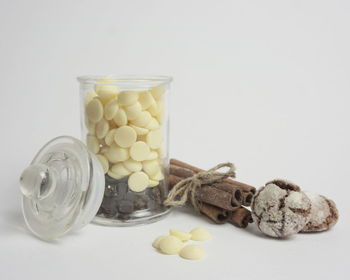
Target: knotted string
x,y
180,193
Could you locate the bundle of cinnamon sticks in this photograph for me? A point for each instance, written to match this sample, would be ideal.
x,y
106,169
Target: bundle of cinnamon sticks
x,y
221,202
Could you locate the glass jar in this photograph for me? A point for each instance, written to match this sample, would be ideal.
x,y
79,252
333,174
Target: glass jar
x,y
125,124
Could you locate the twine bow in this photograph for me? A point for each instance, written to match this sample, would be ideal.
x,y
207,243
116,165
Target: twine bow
x,y
179,194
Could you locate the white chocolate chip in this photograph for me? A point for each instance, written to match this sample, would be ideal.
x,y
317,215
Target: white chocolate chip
x,y
128,97
154,139
158,176
102,128
133,165
133,111
139,151
151,167
160,152
105,86
116,154
114,175
107,92
106,95
125,136
182,235
156,242
200,234
152,155
109,139
153,183
91,127
104,162
120,117
142,138
139,130
138,181
153,124
153,109
142,119
160,115
170,245
146,99
92,144
192,252
157,92
91,95
120,169
94,110
111,109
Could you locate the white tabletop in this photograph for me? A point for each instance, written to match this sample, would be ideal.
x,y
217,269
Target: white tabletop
x,y
264,84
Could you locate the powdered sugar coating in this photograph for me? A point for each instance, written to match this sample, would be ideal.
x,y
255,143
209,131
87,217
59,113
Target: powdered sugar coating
x,y
280,212
324,213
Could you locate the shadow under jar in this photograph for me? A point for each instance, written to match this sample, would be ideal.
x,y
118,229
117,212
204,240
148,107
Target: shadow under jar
x,y
125,124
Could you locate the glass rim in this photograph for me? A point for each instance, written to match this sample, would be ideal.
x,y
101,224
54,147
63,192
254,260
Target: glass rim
x,y
151,80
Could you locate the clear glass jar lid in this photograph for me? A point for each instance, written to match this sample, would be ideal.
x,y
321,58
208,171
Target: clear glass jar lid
x,y
62,189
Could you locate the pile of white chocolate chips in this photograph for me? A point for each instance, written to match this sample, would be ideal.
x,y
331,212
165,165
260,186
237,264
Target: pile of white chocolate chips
x,y
173,243
124,132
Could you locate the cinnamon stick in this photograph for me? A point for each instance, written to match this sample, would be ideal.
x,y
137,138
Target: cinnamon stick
x,y
180,171
177,172
173,180
216,214
236,193
247,198
234,183
212,195
216,197
241,217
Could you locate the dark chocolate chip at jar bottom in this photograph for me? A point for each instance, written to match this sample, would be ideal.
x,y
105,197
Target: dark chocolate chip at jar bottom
x,y
126,207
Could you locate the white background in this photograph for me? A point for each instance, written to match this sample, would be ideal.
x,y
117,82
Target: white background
x,y
264,84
